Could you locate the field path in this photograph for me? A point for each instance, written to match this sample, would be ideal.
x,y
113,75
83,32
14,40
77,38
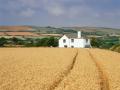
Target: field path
x,y
83,76
65,74
109,63
104,84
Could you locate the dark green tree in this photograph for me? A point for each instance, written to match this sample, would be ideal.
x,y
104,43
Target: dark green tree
x,y
14,40
51,41
47,42
95,42
3,41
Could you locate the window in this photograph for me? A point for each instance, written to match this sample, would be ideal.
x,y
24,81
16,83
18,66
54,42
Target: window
x,y
64,41
65,46
72,40
72,46
87,40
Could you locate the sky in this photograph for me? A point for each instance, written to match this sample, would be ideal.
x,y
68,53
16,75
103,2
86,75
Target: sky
x,y
60,13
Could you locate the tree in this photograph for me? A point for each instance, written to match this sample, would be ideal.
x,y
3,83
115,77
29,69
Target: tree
x,y
29,42
14,40
95,42
47,42
3,41
51,42
38,42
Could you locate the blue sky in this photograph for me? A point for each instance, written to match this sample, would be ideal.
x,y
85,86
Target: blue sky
x,y
99,13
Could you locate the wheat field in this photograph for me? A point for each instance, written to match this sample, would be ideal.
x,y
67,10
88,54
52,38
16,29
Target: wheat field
x,y
59,69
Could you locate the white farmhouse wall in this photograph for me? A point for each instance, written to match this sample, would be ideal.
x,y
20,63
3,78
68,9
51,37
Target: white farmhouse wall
x,y
61,44
78,42
88,42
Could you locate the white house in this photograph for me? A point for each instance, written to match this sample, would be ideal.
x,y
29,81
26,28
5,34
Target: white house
x,y
78,42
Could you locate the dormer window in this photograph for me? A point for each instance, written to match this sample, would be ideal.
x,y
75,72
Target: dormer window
x,y
64,41
72,40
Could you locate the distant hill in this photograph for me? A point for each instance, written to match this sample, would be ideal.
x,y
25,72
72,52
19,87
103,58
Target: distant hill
x,y
63,30
95,29
15,28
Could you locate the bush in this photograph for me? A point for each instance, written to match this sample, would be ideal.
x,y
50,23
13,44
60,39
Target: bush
x,y
115,48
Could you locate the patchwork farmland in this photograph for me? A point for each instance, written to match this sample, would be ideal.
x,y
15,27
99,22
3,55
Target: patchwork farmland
x,y
59,69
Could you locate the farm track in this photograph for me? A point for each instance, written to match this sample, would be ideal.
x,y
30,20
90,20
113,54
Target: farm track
x,y
83,76
104,84
65,74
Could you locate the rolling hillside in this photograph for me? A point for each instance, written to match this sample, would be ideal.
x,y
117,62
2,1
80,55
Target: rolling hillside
x,y
94,29
43,32
43,69
62,30
15,28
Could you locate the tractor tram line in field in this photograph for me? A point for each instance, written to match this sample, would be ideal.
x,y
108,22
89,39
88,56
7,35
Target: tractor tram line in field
x,y
66,73
80,74
104,83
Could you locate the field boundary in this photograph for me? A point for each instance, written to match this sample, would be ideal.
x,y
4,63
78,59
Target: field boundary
x,y
65,74
104,83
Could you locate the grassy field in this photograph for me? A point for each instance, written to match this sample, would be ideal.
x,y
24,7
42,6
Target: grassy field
x,y
15,28
59,69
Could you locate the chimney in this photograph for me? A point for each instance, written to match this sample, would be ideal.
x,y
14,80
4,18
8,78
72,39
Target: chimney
x,y
79,34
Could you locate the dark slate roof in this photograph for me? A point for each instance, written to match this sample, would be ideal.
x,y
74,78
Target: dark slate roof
x,y
74,36
71,36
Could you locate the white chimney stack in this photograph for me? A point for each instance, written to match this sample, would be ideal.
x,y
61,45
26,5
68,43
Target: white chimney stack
x,y
79,34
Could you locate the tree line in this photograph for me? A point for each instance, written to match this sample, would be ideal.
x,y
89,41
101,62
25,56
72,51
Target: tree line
x,y
29,42
111,43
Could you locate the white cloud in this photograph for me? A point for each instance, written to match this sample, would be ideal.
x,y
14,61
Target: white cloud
x,y
82,11
112,13
27,13
63,11
59,8
30,3
55,9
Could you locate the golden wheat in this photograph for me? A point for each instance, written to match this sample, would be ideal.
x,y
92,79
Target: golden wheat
x,y
84,75
33,68
110,65
59,69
